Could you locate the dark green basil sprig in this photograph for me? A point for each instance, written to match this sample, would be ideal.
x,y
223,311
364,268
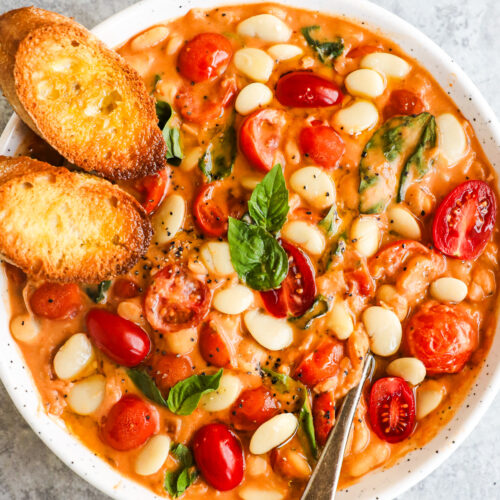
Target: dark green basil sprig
x,y
178,481
171,134
326,51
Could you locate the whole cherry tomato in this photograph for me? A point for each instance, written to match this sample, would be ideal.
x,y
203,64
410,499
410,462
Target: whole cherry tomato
x,y
442,336
121,340
403,102
322,144
213,347
392,409
323,415
154,188
56,300
302,89
168,369
130,423
465,220
219,456
252,408
125,288
204,57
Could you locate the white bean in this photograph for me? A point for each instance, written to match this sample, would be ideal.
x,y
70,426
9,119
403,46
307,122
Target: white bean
x,y
365,235
314,185
174,44
365,83
229,389
305,235
190,161
339,320
168,220
449,290
24,327
153,455
452,141
284,51
250,182
253,96
130,310
266,27
392,299
182,341
73,356
254,493
411,369
428,399
87,395
356,118
149,38
389,65
403,222
272,333
254,63
272,433
384,329
233,300
217,258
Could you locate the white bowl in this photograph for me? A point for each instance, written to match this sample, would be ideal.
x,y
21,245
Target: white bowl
x,y
383,484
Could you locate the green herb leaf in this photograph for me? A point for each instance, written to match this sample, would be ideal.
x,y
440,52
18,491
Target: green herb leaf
x,y
281,382
306,422
331,222
327,51
184,396
335,253
317,310
99,294
183,454
156,79
177,482
171,134
268,205
218,161
257,257
146,385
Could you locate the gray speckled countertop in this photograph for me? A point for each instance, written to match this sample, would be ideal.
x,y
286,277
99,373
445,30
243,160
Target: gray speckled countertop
x,y
468,30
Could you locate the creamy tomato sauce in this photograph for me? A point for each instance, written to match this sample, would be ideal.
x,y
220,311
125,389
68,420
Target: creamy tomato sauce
x,y
351,272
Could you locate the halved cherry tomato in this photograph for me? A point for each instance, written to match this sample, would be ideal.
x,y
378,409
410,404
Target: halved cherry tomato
x,y
219,456
130,423
290,463
213,348
176,299
260,136
465,220
125,288
322,144
120,339
403,102
323,415
204,57
302,89
357,277
392,409
169,369
56,300
154,187
298,291
362,50
320,364
254,407
442,336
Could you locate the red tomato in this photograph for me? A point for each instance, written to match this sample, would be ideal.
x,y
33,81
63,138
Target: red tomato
x,y
260,137
219,456
302,89
357,277
322,144
204,57
320,364
403,102
442,336
56,300
154,187
169,369
392,409
252,408
465,220
125,288
290,463
362,50
176,299
298,291
213,348
324,415
130,423
121,340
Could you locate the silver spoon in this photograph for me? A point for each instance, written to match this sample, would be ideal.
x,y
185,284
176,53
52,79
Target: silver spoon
x,y
324,480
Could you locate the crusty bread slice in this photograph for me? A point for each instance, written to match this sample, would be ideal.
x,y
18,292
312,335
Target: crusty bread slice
x,y
81,97
60,225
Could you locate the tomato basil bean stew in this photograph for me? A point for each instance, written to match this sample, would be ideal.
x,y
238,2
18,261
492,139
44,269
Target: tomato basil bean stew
x,y
324,198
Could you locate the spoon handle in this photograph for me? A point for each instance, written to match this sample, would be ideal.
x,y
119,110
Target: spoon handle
x,y
323,482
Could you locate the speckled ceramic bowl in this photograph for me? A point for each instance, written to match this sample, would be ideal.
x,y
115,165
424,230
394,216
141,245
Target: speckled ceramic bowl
x,y
383,484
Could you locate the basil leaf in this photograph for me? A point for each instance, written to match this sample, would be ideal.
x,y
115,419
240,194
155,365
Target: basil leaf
x,y
218,161
183,454
171,134
327,51
306,422
257,257
177,482
99,294
268,205
330,223
164,112
184,396
281,382
156,79
335,252
317,310
146,385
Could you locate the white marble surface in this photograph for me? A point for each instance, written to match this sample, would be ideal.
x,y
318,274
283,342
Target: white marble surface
x,y
468,30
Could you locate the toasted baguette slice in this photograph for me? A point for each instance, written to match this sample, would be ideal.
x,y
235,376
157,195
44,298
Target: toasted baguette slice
x,y
81,97
60,225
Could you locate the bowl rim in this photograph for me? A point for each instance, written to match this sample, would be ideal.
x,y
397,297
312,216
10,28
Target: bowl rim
x,y
17,379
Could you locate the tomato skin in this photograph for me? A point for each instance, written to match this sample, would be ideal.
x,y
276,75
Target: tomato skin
x,y
121,340
302,89
213,348
358,279
169,369
323,415
392,409
204,57
56,300
252,408
403,102
442,336
320,364
362,50
130,423
154,187
289,463
322,144
260,137
219,456
464,220
176,299
125,288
